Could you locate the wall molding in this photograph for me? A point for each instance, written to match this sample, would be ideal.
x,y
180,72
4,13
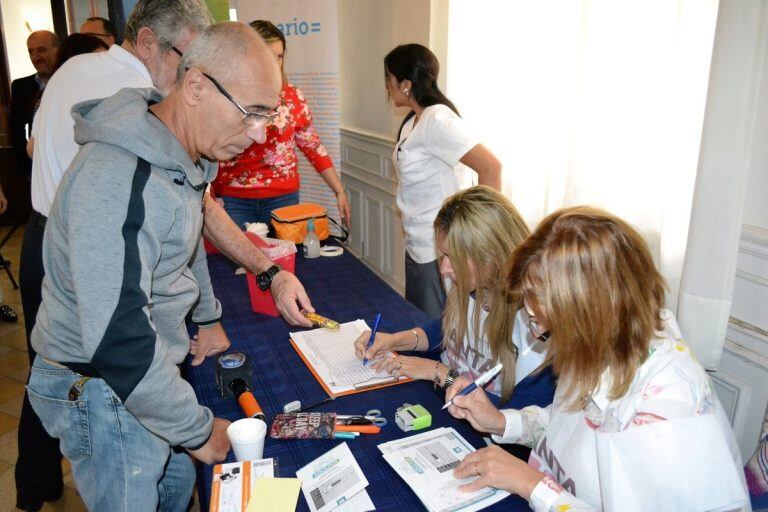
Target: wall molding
x,y
754,241
376,237
742,377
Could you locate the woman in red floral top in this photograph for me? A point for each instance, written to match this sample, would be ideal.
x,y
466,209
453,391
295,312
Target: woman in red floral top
x,y
266,176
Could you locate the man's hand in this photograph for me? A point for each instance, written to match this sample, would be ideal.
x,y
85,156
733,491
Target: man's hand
x,y
286,289
217,447
209,341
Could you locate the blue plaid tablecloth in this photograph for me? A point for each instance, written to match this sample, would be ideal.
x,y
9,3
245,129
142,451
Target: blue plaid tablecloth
x,y
344,289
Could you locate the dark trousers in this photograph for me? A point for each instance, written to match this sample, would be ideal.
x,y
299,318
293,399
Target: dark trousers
x,y
38,468
424,286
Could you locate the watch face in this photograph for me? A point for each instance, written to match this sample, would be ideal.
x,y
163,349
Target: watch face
x,y
263,280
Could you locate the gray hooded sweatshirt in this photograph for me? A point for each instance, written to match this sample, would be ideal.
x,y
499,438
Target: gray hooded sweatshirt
x,y
124,264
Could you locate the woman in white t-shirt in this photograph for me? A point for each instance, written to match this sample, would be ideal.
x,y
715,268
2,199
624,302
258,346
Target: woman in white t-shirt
x,y
477,230
432,143
635,424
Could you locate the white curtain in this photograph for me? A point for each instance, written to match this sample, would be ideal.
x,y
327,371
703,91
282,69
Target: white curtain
x,y
595,102
730,140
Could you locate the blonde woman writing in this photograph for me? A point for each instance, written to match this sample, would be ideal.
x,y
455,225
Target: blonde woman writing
x,y
635,424
476,231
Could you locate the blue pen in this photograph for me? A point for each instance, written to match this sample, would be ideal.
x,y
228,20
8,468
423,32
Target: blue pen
x,y
373,335
480,381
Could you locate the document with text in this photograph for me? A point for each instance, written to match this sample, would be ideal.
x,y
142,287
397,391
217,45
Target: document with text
x,y
426,462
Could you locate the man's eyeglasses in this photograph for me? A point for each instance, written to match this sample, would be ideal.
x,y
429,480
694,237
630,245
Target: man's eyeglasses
x,y
536,330
249,117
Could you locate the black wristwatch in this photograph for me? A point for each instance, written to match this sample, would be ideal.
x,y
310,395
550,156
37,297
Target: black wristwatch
x,y
264,280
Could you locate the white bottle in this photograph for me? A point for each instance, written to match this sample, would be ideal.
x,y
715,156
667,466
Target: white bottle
x,y
311,242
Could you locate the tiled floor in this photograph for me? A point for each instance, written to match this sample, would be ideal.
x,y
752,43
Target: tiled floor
x,y
14,368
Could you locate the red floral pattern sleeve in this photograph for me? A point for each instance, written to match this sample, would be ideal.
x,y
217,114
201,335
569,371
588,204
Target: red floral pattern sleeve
x,y
271,169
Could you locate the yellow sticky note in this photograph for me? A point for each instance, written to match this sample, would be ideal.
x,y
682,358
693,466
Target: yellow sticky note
x,y
274,494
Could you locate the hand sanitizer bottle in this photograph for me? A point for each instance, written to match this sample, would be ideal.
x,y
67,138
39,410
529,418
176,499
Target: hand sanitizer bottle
x,y
311,242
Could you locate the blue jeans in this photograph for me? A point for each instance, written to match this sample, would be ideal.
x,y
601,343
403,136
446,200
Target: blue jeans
x,y
256,210
118,465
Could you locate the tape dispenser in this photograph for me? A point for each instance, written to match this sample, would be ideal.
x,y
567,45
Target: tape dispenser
x,y
412,417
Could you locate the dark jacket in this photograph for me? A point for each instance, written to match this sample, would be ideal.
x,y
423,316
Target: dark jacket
x,y
24,95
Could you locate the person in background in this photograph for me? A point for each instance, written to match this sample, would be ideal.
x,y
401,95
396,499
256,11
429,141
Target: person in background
x,y
101,28
78,44
73,44
432,142
266,176
635,424
477,230
126,265
25,93
40,479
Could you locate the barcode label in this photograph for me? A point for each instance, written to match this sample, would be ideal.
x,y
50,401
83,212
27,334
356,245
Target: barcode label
x,y
317,498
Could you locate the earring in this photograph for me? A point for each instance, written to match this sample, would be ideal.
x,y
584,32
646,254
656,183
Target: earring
x,y
405,91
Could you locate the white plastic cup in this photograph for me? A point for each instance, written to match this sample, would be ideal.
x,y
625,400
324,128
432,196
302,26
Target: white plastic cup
x,y
247,438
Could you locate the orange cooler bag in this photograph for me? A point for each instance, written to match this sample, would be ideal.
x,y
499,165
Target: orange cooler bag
x,y
290,222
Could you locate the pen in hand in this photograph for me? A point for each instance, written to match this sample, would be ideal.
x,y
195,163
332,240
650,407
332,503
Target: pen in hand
x,y
478,382
373,335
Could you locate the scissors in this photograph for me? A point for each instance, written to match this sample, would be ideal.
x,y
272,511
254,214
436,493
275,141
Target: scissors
x,y
372,417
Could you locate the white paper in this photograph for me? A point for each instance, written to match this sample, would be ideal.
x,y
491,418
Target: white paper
x,y
360,502
331,352
426,462
331,479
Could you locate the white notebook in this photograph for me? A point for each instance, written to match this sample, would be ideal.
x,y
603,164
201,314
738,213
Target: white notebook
x,y
330,355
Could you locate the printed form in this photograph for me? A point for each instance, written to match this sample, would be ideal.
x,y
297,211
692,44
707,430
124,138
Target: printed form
x,y
334,481
426,462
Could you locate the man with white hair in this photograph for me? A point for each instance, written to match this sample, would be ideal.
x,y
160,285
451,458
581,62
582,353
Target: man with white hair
x,y
157,34
125,266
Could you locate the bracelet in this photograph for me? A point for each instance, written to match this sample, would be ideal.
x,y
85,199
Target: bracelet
x,y
416,346
436,380
452,374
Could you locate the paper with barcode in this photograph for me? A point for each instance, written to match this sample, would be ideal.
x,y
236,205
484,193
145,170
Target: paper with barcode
x,y
333,480
232,483
426,462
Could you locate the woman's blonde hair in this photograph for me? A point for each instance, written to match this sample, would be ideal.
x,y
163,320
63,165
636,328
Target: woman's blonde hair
x,y
591,277
481,229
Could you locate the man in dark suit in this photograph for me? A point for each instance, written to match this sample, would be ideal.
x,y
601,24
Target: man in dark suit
x,y
38,475
25,92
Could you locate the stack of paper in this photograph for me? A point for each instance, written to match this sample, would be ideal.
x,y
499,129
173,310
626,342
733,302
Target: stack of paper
x,y
335,482
426,462
330,356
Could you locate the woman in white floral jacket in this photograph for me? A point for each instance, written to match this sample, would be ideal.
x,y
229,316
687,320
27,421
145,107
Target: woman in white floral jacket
x,y
635,423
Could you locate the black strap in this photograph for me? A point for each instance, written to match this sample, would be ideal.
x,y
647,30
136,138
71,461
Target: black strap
x,y
345,232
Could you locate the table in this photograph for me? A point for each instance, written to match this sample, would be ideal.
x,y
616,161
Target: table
x,y
344,289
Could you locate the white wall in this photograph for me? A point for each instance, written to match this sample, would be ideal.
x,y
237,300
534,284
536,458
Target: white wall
x,y
16,14
368,30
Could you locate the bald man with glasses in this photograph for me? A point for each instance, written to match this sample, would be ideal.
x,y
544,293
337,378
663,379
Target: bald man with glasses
x,y
126,266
